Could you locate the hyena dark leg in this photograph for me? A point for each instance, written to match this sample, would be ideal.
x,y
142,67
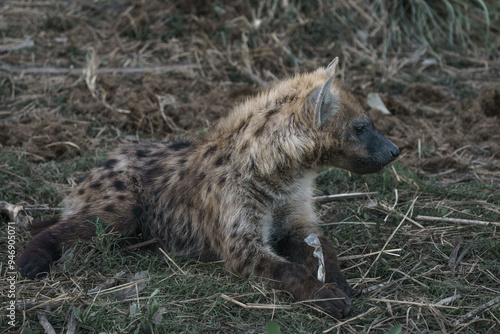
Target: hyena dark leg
x,y
46,247
254,258
106,195
38,225
293,247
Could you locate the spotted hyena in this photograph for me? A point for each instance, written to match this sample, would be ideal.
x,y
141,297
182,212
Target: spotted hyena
x,y
242,193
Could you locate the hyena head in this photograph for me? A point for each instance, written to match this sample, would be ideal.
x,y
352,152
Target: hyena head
x,y
348,138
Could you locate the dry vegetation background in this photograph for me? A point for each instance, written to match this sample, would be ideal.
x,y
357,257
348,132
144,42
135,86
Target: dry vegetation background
x,y
79,78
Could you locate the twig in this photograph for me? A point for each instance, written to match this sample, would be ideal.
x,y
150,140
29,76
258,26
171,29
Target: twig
x,y
337,197
40,207
390,237
258,80
27,43
456,220
477,310
140,244
108,283
73,323
384,285
255,306
384,300
449,300
121,287
170,259
109,70
42,318
455,259
354,257
349,320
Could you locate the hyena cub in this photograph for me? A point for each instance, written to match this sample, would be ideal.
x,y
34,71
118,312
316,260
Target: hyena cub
x,y
242,193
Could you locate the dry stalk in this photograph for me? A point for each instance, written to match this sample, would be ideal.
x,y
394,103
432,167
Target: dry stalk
x,y
172,261
407,302
390,238
117,288
350,320
384,285
338,197
73,323
449,300
477,310
140,244
108,70
355,257
254,305
456,220
42,318
108,283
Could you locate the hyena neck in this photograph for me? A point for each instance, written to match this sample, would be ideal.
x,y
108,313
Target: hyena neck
x,y
272,134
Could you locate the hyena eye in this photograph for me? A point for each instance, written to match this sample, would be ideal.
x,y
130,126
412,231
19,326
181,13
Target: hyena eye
x,y
359,129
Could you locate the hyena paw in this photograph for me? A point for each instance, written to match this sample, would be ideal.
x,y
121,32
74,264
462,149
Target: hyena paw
x,y
333,301
336,278
31,264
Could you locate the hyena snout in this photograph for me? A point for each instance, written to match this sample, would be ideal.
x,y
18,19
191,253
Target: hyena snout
x,y
378,152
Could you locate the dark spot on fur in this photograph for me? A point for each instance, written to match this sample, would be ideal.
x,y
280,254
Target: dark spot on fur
x,y
202,175
137,211
142,153
106,197
179,145
244,147
155,172
151,162
82,178
96,185
259,131
218,162
182,173
243,126
222,180
271,112
81,191
86,209
167,178
209,188
108,164
159,154
119,185
121,197
210,151
108,175
182,161
109,208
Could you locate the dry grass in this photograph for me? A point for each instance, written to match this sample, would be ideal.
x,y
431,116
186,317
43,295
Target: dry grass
x,y
77,79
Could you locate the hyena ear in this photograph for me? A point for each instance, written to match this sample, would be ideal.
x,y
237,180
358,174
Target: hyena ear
x,y
325,101
332,67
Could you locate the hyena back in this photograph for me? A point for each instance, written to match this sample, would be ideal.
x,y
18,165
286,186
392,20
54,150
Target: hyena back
x,y
242,193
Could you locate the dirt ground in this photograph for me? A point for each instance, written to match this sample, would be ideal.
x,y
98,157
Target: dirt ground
x,y
444,120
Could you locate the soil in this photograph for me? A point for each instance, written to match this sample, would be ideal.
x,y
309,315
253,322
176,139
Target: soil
x,y
439,126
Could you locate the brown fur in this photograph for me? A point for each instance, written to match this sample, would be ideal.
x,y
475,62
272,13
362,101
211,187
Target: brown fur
x,y
242,193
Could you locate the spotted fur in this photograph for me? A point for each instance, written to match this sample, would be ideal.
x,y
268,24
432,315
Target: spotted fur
x,y
242,193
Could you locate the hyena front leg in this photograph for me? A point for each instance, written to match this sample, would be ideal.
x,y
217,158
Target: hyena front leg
x,y
250,257
292,246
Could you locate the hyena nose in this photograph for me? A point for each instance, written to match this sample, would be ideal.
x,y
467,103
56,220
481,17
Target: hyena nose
x,y
395,152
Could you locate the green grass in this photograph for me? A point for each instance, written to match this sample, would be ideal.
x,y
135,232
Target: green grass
x,y
190,301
